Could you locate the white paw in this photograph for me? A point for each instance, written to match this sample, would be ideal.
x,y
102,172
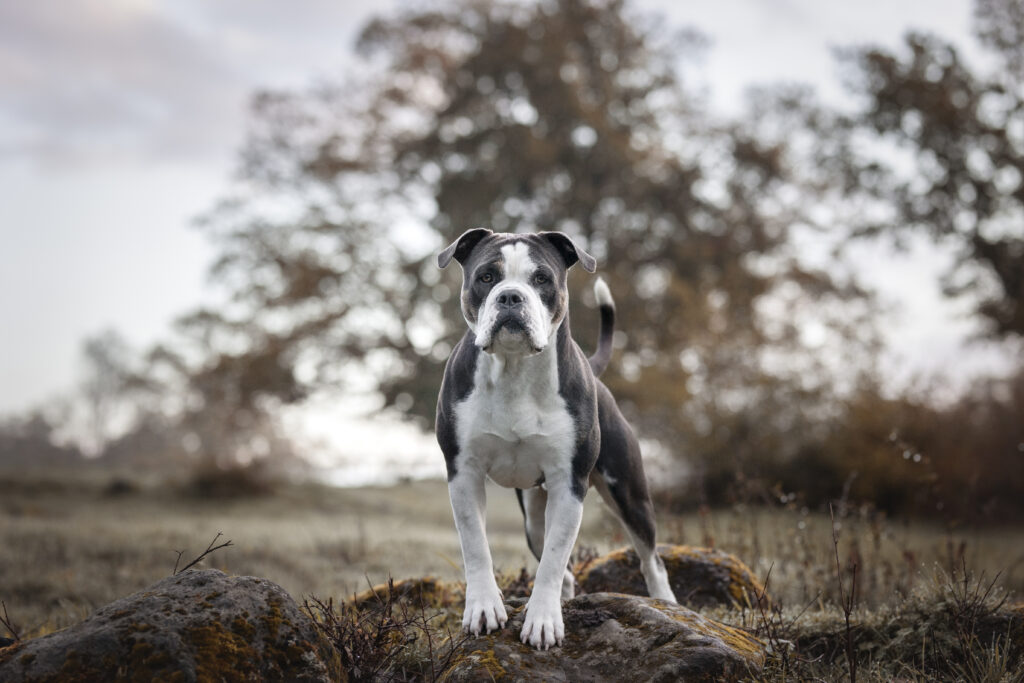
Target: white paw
x,y
543,627
485,610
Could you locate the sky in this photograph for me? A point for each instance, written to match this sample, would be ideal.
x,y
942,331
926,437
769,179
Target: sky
x,y
120,121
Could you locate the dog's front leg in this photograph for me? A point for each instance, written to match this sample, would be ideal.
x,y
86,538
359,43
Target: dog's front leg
x,y
485,609
543,626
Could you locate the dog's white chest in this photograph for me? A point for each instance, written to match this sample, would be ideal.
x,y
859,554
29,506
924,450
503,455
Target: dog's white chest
x,y
516,427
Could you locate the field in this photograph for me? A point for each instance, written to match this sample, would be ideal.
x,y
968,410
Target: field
x,y
69,545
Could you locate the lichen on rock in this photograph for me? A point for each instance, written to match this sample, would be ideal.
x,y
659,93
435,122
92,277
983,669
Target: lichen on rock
x,y
610,636
195,626
699,577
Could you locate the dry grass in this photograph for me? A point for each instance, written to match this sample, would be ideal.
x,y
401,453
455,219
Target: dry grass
x,y
893,557
68,547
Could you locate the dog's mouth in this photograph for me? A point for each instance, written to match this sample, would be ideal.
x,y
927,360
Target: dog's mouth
x,y
510,323
510,334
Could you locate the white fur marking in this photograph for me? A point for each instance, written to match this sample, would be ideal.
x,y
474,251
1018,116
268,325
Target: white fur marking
x,y
514,426
518,264
602,293
656,578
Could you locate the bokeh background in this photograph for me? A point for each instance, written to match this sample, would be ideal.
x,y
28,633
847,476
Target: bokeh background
x,y
217,274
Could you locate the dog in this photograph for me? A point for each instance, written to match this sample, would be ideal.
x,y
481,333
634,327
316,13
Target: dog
x,y
521,404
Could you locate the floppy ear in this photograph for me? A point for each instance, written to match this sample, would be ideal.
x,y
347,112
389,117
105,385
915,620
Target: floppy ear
x,y
460,248
570,251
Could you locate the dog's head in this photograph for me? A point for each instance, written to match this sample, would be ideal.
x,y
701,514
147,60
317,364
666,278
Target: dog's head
x,y
514,288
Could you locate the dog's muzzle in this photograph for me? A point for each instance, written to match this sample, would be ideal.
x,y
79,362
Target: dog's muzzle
x,y
509,323
511,310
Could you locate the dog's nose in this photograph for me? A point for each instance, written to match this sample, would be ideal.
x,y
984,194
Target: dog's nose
x,y
509,299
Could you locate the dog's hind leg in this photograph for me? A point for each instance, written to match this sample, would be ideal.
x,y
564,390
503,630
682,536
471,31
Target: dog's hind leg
x,y
633,508
532,502
619,478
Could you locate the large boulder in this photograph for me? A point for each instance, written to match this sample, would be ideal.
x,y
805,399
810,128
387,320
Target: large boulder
x,y
699,577
196,626
611,637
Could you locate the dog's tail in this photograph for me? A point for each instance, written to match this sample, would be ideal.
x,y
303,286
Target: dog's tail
x,y
605,304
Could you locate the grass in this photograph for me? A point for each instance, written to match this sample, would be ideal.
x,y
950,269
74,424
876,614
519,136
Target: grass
x,y
68,547
929,600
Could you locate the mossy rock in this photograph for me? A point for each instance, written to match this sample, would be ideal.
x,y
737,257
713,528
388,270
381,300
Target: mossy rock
x,y
425,593
196,626
611,637
699,577
924,632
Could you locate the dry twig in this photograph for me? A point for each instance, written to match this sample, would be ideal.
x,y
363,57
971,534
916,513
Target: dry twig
x,y
846,601
6,621
209,549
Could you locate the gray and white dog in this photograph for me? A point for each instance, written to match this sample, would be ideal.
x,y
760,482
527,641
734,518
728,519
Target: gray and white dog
x,y
521,404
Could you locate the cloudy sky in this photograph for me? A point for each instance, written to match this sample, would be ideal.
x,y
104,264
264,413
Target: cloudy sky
x,y
120,119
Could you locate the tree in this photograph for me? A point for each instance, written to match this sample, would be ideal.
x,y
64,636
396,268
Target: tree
x,y
566,115
28,441
111,393
999,25
937,149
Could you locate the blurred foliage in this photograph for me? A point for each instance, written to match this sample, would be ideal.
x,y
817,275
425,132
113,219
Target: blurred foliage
x,y
936,148
906,455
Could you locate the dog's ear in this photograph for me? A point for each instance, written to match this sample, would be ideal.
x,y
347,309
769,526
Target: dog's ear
x,y
570,251
460,248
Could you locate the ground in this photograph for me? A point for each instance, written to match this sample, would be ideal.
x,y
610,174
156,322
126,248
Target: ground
x,y
68,546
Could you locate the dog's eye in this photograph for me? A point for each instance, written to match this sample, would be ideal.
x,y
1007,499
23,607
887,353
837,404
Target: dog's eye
x,y
541,279
486,278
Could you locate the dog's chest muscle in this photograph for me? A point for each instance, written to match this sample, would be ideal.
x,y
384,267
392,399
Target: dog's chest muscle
x,y
516,427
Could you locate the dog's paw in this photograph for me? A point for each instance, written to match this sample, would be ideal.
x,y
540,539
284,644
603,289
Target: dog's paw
x,y
543,627
485,611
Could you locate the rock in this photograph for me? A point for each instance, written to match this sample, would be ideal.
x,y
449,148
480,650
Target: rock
x,y
613,637
416,594
196,626
431,593
699,577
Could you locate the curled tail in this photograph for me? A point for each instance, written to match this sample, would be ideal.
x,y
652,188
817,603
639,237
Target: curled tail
x,y
605,304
